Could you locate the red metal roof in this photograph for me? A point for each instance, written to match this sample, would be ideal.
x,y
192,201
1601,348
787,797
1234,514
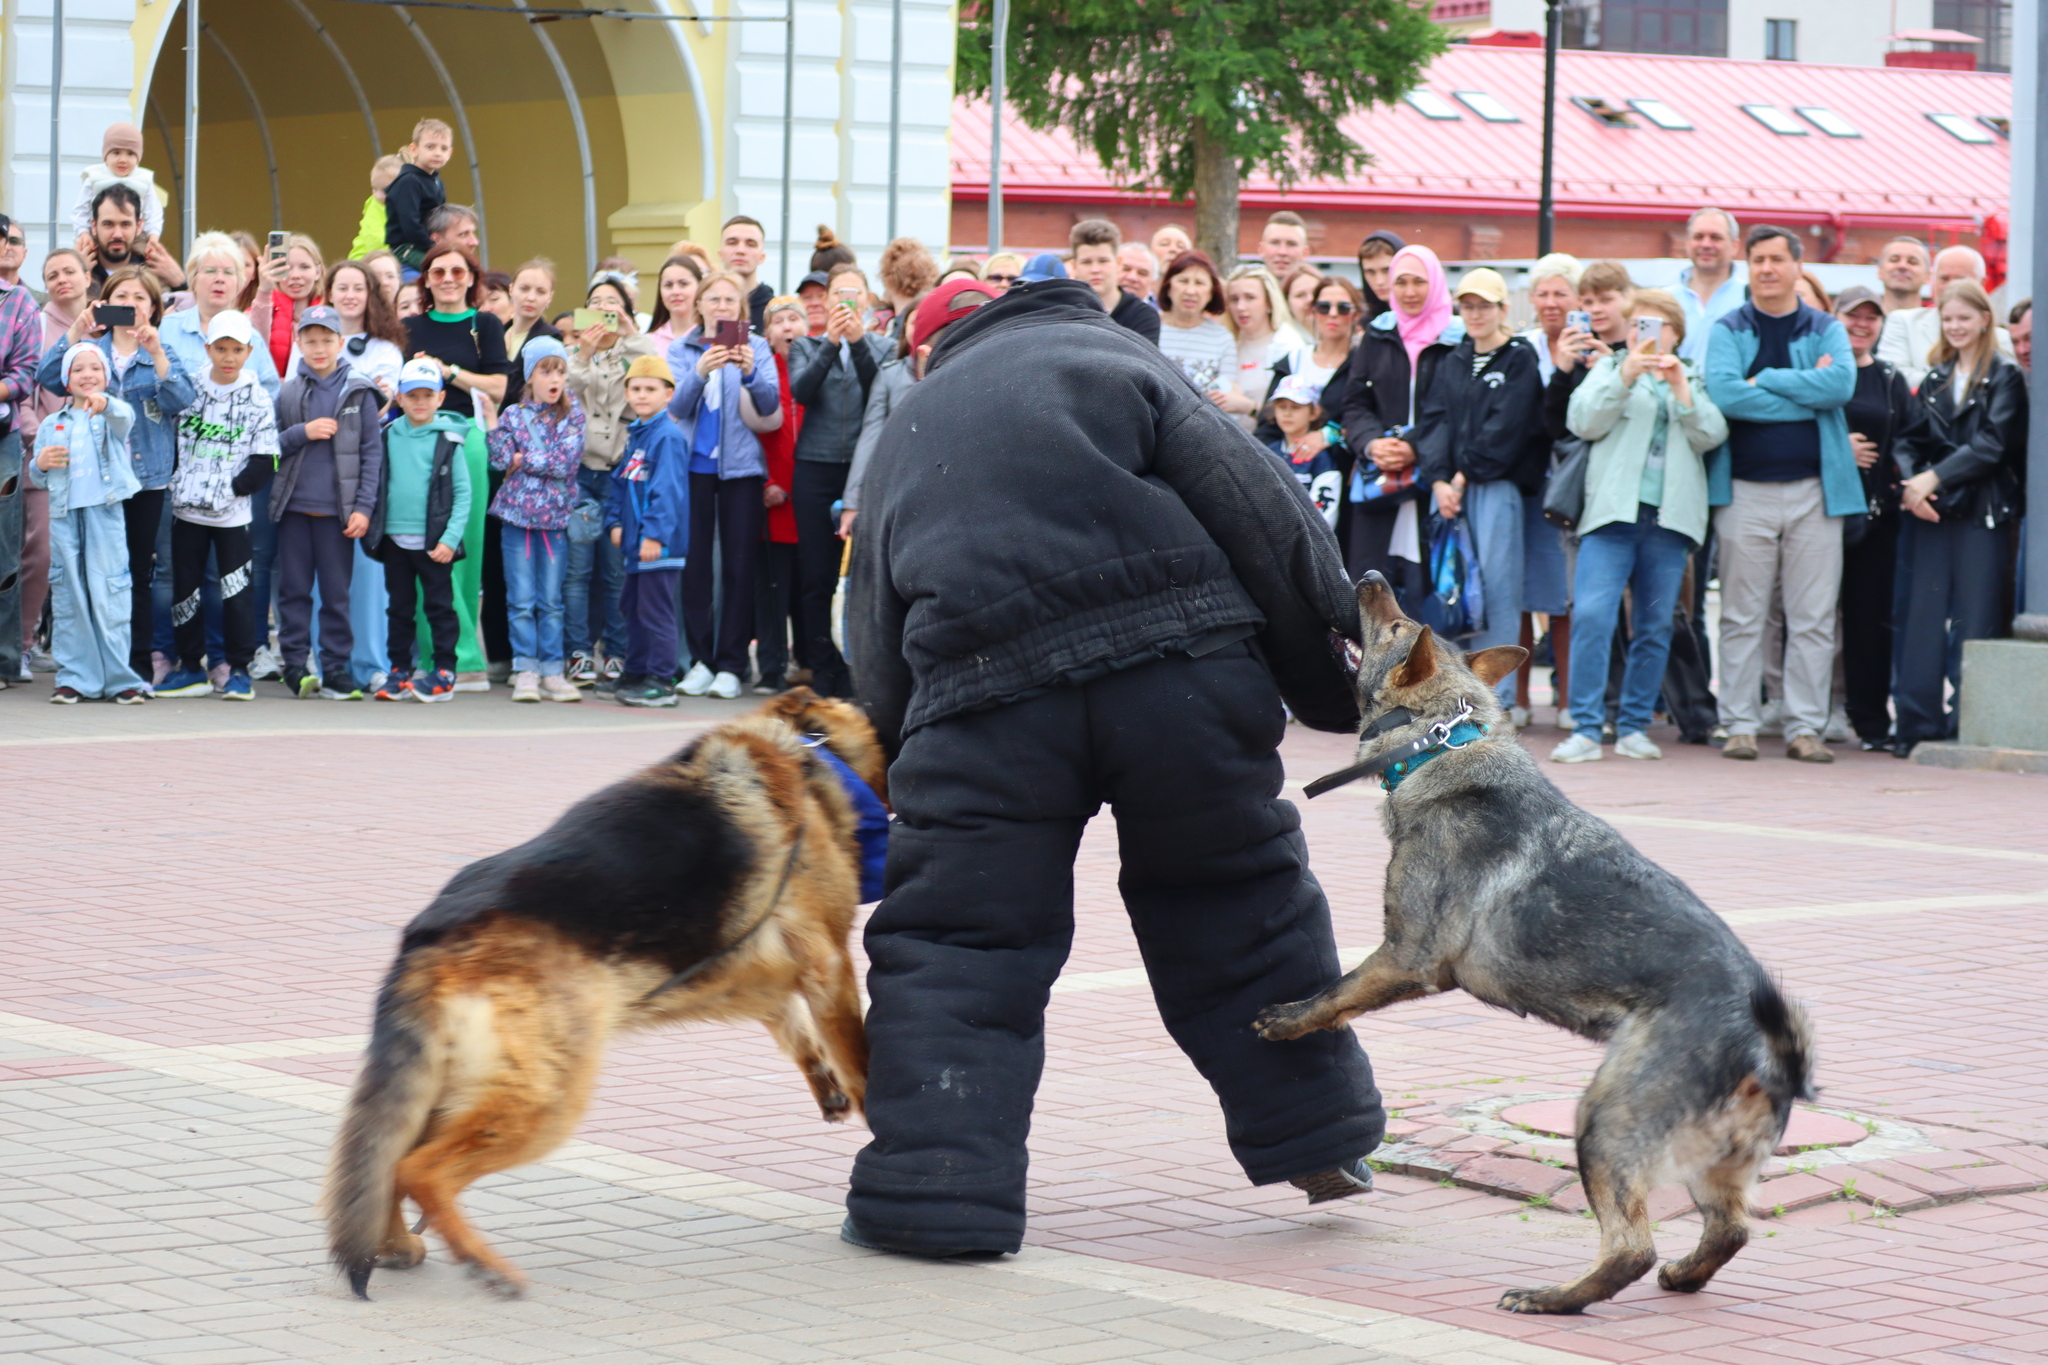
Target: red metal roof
x,y
1903,170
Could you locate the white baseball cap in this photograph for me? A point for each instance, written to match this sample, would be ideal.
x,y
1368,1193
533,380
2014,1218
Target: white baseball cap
x,y
232,326
1299,388
419,373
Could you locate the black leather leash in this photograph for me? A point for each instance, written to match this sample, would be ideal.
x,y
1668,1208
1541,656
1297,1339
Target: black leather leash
x,y
1395,719
698,968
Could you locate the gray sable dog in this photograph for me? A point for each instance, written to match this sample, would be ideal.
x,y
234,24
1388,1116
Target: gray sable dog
x,y
1499,885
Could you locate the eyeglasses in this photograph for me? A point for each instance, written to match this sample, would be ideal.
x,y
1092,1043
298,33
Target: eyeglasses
x,y
460,272
1343,308
17,241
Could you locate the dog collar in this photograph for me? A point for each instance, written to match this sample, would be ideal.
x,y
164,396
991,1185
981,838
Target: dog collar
x,y
1395,764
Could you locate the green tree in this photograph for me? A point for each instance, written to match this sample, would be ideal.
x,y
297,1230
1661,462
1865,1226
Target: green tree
x,y
1191,96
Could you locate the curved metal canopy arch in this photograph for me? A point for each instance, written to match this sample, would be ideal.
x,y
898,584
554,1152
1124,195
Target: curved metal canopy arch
x,y
476,175
262,123
347,70
547,45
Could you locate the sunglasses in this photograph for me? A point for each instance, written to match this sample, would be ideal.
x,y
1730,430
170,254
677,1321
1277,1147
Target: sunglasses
x,y
460,272
999,279
1343,308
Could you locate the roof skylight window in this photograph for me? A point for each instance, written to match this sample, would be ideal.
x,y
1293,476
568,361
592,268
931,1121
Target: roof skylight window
x,y
1613,115
1997,123
1775,119
1486,106
1431,105
1662,114
1828,121
1960,128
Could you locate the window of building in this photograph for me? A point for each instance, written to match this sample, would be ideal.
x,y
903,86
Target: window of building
x,y
1997,123
1613,115
1429,104
1775,119
1486,106
1828,121
1662,114
1781,40
1690,28
1989,20
1960,128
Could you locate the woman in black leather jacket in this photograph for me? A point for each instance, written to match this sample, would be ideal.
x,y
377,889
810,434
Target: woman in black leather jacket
x,y
1962,497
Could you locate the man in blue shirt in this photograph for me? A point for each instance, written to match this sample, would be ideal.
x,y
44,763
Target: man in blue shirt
x,y
1781,372
1712,286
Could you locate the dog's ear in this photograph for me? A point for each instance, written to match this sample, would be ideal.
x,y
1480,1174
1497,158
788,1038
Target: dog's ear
x,y
1376,604
1420,665
1491,665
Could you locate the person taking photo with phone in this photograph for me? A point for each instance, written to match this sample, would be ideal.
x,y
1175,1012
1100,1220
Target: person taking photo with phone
x,y
726,391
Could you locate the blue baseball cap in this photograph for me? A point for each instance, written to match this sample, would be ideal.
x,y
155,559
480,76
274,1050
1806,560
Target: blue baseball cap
x,y
1044,266
321,315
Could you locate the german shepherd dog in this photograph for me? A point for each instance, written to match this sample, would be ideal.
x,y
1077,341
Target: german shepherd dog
x,y
1499,885
720,884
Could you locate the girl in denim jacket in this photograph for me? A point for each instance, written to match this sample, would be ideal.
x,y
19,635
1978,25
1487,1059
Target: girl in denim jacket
x,y
82,458
539,443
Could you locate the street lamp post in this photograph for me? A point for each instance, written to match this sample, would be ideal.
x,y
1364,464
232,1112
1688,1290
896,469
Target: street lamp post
x,y
1546,205
1001,39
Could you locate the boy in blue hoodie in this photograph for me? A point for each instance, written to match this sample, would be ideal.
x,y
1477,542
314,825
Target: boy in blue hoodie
x,y
649,518
416,530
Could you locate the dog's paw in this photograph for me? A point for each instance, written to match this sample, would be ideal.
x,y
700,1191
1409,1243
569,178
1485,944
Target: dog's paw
x,y
834,1108
506,1283
402,1253
1677,1277
1278,1023
1550,1299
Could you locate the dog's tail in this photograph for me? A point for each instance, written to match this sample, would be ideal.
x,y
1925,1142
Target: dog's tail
x,y
387,1113
1789,1038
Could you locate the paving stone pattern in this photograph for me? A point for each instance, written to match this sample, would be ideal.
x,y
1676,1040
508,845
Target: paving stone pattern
x,y
205,897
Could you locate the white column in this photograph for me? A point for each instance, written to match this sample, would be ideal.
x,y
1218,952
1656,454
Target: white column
x,y
752,180
2026,20
99,71
924,182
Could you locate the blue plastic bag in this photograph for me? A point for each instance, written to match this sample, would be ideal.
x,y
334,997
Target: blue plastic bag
x,y
1456,605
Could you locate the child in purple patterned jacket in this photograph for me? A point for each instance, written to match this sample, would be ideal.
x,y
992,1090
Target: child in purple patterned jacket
x,y
539,445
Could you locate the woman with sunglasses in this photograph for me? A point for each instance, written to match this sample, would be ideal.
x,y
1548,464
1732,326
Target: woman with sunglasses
x,y
1002,269
1325,362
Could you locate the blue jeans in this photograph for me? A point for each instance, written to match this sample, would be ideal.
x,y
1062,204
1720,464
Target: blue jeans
x,y
1642,555
1495,512
581,624
90,601
535,564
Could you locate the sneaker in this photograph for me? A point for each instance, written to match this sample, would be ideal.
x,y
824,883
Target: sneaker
x,y
471,682
1339,1182
1518,716
346,692
1838,730
25,673
726,686
646,694
855,1236
697,681
184,682
555,687
1739,746
582,670
611,670
65,696
440,685
1773,718
39,660
300,683
1637,745
526,686
130,696
1565,721
771,686
266,664
393,686
240,687
1808,749
1580,748
499,671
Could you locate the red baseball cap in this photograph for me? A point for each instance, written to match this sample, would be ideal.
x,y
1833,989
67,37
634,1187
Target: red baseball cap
x,y
947,304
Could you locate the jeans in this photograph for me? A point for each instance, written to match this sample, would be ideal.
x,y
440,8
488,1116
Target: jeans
x,y
1951,587
582,626
13,500
1495,512
535,562
368,610
1640,555
1778,537
90,601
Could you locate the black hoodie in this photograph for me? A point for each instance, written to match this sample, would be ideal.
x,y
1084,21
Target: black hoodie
x,y
1054,499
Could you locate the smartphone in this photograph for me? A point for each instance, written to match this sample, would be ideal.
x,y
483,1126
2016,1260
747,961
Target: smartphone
x,y
1580,319
587,318
733,333
114,314
276,247
1649,331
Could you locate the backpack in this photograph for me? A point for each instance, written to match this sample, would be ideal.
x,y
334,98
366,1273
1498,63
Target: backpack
x,y
1456,606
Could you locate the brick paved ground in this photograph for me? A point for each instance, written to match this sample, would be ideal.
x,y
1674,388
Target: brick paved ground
x,y
202,898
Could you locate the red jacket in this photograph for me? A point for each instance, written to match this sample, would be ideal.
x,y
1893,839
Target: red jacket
x,y
780,448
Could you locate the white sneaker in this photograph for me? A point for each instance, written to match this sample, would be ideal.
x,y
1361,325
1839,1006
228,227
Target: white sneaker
x,y
266,664
1838,731
1518,716
1580,748
526,687
1773,721
555,687
696,682
727,686
1565,721
1637,745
